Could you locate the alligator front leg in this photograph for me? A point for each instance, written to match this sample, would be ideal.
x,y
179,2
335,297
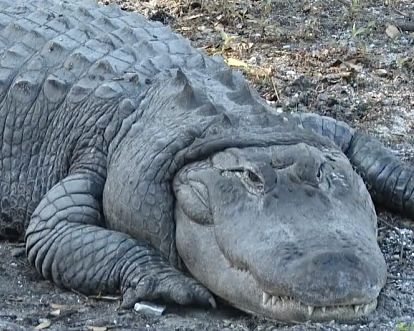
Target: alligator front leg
x,y
67,244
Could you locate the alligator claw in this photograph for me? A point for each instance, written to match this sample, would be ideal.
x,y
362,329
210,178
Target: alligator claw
x,y
173,288
212,302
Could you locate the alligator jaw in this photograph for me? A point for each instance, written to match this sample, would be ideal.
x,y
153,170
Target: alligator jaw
x,y
290,306
238,285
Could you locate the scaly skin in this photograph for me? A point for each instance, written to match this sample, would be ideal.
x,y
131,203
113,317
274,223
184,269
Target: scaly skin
x,y
128,157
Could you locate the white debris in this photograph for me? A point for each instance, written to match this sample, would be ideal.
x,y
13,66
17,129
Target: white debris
x,y
149,308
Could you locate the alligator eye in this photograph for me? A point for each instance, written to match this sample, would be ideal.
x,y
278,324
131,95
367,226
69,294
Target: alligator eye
x,y
253,180
253,177
250,180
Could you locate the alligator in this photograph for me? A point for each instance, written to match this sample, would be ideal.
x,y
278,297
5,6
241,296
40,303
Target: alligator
x,y
133,163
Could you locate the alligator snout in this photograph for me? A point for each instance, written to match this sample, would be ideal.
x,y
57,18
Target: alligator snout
x,y
334,278
323,284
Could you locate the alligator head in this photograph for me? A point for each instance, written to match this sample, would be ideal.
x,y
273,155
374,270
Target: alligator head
x,y
286,232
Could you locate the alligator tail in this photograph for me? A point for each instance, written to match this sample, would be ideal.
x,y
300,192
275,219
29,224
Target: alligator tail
x,y
389,180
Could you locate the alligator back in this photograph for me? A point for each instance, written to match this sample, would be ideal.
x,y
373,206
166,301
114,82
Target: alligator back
x,y
69,70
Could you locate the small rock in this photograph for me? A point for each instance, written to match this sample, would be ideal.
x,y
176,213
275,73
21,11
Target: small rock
x,y
392,31
44,323
381,72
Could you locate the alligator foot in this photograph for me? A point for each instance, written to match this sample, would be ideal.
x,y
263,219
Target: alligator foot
x,y
171,286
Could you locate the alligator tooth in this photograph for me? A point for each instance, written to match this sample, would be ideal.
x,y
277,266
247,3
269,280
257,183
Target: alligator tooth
x,y
366,307
283,300
266,298
274,300
356,308
310,310
323,309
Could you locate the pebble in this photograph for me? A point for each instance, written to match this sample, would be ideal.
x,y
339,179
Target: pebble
x,y
392,31
381,72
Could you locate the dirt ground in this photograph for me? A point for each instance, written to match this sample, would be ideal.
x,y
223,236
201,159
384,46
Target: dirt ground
x,y
349,59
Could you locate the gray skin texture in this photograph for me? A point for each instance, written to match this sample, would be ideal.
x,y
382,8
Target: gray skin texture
x,y
133,163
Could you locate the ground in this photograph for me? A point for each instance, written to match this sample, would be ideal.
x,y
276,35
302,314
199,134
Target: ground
x,y
349,59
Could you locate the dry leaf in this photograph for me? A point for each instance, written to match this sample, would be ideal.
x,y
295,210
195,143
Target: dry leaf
x,y
261,72
392,31
232,62
45,323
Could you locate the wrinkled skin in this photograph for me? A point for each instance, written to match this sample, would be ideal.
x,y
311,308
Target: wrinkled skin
x,y
288,232
104,115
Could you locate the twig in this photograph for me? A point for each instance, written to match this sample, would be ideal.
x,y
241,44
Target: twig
x,y
275,89
390,225
400,12
192,17
402,248
105,297
17,244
